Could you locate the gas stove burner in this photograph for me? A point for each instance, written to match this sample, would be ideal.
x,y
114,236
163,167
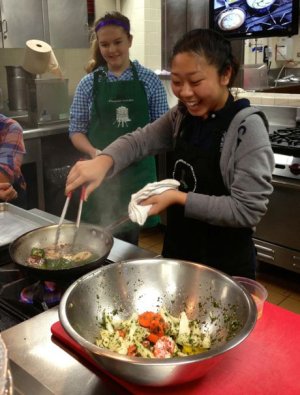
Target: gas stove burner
x,y
287,136
275,16
277,22
43,292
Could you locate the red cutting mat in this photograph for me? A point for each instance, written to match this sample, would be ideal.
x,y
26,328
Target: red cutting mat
x,y
266,363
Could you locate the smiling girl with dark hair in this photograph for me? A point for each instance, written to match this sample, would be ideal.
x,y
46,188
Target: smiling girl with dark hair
x,y
219,151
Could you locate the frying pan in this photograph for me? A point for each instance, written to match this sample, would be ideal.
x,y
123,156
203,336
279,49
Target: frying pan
x,y
231,18
89,237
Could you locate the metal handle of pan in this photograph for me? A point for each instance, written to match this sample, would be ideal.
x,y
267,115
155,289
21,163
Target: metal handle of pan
x,y
119,222
283,184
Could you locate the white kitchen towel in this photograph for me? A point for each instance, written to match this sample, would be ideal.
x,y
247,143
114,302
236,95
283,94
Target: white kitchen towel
x,y
138,213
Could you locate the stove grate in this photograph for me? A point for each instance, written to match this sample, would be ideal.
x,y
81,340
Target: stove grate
x,y
14,284
286,141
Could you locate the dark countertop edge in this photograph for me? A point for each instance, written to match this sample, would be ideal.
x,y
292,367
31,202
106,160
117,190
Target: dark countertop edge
x,y
289,88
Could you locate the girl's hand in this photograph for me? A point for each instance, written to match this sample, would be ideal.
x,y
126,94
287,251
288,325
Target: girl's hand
x,y
89,172
7,192
164,200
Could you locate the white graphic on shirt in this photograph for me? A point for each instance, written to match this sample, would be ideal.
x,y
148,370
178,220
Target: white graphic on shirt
x,y
185,174
122,116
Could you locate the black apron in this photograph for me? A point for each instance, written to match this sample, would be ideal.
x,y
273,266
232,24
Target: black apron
x,y
230,250
118,108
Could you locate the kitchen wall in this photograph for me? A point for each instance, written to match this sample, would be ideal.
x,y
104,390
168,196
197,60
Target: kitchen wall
x,y
290,52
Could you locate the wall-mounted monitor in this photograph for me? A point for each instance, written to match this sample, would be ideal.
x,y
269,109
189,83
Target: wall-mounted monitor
x,y
254,18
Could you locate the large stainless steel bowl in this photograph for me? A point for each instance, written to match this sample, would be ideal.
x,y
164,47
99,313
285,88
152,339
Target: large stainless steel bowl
x,y
146,284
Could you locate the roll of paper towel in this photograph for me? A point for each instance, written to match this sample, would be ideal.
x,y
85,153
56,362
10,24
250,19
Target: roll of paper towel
x,y
39,58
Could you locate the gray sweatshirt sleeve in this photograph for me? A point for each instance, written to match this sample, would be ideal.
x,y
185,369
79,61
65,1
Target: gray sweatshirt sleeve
x,y
247,163
152,139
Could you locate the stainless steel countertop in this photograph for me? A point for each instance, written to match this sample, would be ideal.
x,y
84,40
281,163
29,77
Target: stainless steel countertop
x,y
41,130
42,366
45,130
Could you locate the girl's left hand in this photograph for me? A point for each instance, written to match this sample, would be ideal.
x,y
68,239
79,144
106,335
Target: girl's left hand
x,y
164,200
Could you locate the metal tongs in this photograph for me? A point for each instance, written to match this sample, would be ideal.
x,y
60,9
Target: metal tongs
x,y
64,212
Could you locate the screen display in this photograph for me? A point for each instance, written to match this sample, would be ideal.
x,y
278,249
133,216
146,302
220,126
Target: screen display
x,y
254,18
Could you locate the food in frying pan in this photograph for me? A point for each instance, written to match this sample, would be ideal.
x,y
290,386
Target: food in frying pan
x,y
153,335
60,257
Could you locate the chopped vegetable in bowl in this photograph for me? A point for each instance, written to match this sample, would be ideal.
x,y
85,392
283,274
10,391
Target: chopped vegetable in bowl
x,y
153,335
105,298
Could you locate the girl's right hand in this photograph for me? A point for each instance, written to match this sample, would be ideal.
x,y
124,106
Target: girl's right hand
x,y
7,192
89,172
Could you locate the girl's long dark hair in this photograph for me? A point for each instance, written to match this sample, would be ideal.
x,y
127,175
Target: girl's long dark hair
x,y
213,46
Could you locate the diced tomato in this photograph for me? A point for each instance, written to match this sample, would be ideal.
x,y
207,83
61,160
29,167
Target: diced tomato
x,y
146,318
153,337
121,333
131,352
158,325
164,347
153,321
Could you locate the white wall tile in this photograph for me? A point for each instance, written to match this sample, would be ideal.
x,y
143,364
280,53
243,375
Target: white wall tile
x,y
152,14
104,6
154,4
147,3
145,18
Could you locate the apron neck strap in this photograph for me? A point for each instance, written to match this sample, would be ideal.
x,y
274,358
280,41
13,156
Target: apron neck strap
x,y
134,71
102,74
